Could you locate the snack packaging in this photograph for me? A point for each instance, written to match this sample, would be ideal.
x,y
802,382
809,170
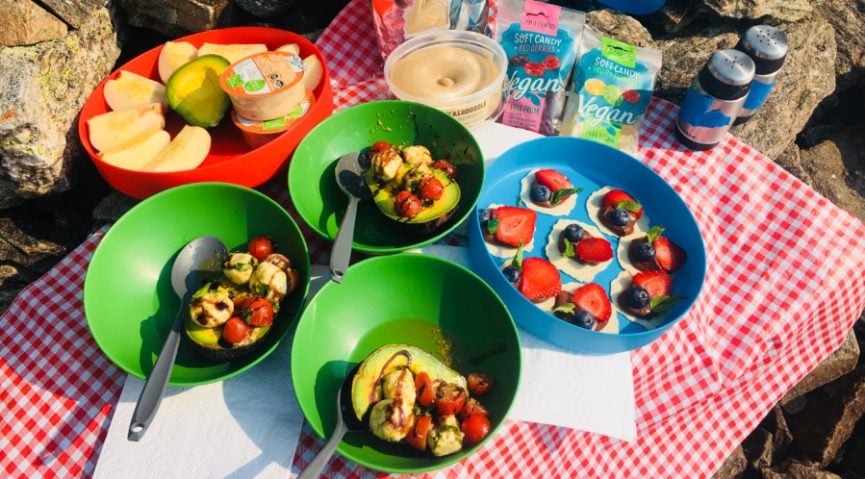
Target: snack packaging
x,y
611,89
398,20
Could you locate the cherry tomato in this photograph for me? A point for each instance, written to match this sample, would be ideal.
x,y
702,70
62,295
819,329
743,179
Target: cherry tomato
x,y
262,313
425,391
242,301
446,166
235,330
380,146
407,204
260,247
430,188
417,436
450,399
479,383
475,428
472,407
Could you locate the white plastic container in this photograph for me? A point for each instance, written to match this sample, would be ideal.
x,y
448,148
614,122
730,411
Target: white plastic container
x,y
461,73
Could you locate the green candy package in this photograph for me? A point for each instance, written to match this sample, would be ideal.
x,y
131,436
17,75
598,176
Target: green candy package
x,y
611,88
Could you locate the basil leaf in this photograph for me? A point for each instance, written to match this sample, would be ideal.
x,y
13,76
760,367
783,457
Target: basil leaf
x,y
662,304
654,233
558,196
518,258
492,225
631,206
567,308
569,251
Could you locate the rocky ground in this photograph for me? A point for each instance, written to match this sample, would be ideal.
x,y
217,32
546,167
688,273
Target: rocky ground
x,y
51,197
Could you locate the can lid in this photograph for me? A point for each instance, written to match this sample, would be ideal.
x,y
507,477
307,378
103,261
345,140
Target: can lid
x,y
767,46
731,67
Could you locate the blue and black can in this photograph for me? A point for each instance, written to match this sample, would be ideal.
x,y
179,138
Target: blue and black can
x,y
767,46
715,99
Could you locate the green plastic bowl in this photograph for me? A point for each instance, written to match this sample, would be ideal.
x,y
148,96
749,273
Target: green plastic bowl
x,y
128,299
406,298
321,203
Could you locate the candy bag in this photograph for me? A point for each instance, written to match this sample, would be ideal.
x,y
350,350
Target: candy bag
x,y
398,20
612,86
541,41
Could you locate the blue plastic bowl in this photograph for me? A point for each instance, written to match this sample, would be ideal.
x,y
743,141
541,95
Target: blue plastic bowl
x,y
635,7
590,166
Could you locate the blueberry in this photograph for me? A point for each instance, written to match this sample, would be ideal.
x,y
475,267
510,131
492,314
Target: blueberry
x,y
584,319
638,298
540,193
574,232
484,215
620,217
643,251
512,274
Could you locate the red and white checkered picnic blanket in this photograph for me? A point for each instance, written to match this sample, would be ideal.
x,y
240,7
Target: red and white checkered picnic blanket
x,y
783,288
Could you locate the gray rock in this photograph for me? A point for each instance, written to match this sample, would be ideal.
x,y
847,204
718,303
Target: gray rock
x,y
851,464
44,86
177,17
783,10
836,365
769,441
74,12
673,16
264,8
838,174
621,27
828,421
791,160
798,470
684,57
847,17
21,259
806,79
113,206
733,466
26,23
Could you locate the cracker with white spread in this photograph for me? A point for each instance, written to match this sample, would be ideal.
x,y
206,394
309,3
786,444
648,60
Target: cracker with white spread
x,y
593,207
504,251
562,209
618,287
573,268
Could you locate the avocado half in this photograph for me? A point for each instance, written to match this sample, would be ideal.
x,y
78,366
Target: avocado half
x,y
193,91
430,217
366,385
206,341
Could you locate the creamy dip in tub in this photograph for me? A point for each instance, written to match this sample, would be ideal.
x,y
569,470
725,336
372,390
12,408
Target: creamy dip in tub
x,y
460,73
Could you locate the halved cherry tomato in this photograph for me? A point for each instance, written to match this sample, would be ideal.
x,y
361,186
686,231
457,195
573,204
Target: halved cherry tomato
x,y
450,399
425,391
475,428
417,436
235,330
447,167
380,146
407,204
262,313
430,188
242,300
472,407
260,247
479,383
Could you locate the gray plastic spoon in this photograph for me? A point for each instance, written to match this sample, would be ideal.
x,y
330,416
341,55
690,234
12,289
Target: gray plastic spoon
x,y
346,420
349,177
199,260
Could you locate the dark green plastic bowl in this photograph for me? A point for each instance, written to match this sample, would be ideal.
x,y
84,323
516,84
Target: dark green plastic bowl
x,y
321,203
402,298
128,298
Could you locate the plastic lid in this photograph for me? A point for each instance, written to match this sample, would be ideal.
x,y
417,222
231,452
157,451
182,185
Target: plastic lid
x,y
731,67
767,45
636,7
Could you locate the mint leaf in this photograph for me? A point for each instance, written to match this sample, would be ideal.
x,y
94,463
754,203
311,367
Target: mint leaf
x,y
520,201
662,304
518,258
654,233
492,225
567,308
559,195
569,249
631,206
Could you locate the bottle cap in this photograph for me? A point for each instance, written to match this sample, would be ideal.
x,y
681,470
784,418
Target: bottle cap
x,y
767,46
727,75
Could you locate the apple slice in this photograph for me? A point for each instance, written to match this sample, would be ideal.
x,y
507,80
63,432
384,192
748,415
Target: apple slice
x,y
129,90
292,48
174,55
232,52
187,150
113,128
136,153
313,72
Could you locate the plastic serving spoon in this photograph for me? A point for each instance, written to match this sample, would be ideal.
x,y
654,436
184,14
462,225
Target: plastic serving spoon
x,y
346,421
198,260
349,177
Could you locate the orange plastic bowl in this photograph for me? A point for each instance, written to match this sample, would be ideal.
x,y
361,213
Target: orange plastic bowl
x,y
230,160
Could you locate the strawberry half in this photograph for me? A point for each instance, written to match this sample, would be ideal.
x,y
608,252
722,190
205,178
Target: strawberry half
x,y
657,283
593,250
668,255
593,299
552,179
616,198
539,279
512,225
